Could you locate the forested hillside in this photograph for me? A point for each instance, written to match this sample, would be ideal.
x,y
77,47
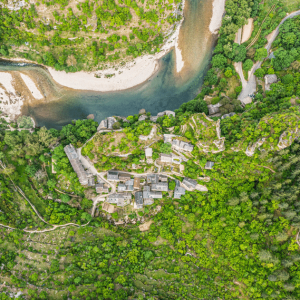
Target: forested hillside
x,y
239,240
72,36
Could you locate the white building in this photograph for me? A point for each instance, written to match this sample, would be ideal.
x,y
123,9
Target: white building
x,y
165,158
182,146
148,152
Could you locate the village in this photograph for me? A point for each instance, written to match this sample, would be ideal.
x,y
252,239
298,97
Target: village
x,y
117,188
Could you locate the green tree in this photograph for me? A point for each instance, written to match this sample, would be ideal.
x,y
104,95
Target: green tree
x,y
259,73
247,65
260,54
219,61
172,185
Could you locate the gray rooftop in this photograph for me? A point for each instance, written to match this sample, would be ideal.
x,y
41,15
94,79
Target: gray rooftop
x,y
191,183
76,164
209,165
139,198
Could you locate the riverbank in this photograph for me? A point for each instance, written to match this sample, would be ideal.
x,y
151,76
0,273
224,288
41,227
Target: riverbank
x,y
166,89
217,16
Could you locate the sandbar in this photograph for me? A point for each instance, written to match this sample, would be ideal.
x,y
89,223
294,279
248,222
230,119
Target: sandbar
x,y
216,19
32,87
6,81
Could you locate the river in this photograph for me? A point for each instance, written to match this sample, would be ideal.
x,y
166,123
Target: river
x,y
164,90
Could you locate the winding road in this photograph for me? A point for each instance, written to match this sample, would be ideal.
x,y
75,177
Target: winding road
x,y
249,87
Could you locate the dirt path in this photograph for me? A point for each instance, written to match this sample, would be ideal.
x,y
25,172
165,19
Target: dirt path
x,y
18,189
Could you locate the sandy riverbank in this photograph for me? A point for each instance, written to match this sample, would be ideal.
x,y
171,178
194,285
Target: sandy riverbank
x,y
132,74
11,103
218,11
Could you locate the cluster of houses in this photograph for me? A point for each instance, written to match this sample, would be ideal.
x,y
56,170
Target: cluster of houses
x,y
109,122
145,194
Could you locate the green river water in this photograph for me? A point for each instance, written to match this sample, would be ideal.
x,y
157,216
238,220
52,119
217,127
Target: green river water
x,y
164,90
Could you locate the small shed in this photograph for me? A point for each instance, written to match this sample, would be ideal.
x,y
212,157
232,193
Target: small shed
x,y
269,79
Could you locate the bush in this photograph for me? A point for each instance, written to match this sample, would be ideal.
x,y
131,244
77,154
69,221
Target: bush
x,y
259,73
172,185
215,100
238,89
228,73
115,215
117,125
25,122
247,65
65,198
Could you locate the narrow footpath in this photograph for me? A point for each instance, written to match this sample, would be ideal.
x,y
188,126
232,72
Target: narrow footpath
x,y
249,87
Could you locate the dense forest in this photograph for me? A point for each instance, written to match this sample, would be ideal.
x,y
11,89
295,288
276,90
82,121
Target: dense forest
x,y
239,240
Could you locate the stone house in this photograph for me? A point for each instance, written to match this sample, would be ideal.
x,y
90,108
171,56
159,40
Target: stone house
x,y
209,165
146,191
228,115
160,186
178,192
166,112
107,123
182,146
76,164
110,122
113,175
138,203
148,201
123,201
129,185
124,176
155,195
91,181
114,198
189,183
152,178
269,79
121,187
168,138
101,188
214,109
163,178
